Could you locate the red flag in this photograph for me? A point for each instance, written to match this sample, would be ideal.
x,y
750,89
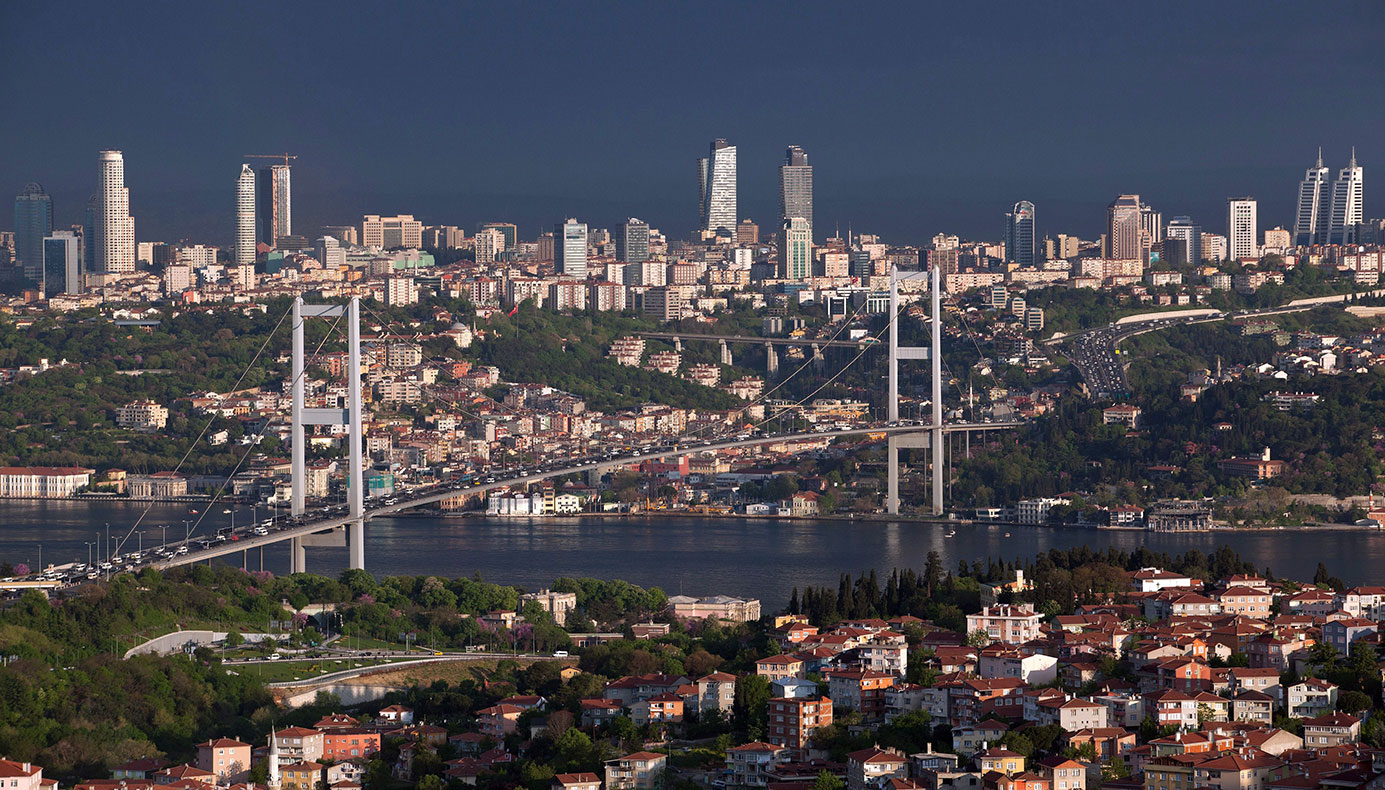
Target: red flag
x,y
512,312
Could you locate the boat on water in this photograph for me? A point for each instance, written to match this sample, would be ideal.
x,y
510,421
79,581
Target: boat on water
x,y
227,510
1007,534
951,533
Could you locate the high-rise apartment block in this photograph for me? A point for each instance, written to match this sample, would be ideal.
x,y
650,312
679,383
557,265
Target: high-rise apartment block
x,y
570,248
1242,233
509,232
245,216
329,253
1124,238
796,250
490,243
717,173
632,241
115,243
33,222
274,203
796,188
747,232
1019,234
387,233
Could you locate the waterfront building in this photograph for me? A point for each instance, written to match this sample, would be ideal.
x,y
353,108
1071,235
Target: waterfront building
x,y
43,482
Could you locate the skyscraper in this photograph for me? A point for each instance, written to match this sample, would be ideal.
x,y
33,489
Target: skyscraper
x,y
1123,232
796,249
89,237
1151,226
1242,232
1019,234
1314,206
274,203
1183,242
632,241
245,216
33,220
115,245
796,188
720,180
1346,203
570,248
61,272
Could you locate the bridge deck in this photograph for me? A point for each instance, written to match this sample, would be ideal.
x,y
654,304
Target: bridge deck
x,y
281,534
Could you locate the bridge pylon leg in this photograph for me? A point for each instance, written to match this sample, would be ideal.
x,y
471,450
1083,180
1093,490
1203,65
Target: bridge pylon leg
x,y
725,353
771,359
892,477
298,556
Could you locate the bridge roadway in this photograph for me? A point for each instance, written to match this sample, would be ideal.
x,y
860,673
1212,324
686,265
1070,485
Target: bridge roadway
x,y
778,341
333,520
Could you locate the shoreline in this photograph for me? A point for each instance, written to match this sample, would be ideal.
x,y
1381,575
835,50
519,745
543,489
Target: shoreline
x,y
871,518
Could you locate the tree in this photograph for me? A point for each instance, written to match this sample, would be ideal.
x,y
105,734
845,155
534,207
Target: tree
x,y
752,700
1353,702
430,782
234,639
826,781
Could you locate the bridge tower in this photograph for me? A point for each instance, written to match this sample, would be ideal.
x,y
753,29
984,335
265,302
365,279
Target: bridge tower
x,y
933,354
350,417
771,359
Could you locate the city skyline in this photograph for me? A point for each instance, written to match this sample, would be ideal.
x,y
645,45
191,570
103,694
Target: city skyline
x,y
875,177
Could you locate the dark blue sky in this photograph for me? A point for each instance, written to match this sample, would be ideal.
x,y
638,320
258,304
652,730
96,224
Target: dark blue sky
x,y
918,117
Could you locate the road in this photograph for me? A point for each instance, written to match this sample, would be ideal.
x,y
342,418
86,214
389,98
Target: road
x,y
778,341
1093,351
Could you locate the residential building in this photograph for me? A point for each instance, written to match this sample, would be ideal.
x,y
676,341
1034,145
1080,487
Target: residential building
x,y
1242,232
716,691
33,222
1014,623
1001,760
302,775
1311,698
115,229
489,244
867,767
570,248
16,775
717,176
300,744
498,720
345,743
274,204
1019,234
227,759
750,764
1332,729
584,780
637,771
779,667
142,415
796,189
861,690
244,250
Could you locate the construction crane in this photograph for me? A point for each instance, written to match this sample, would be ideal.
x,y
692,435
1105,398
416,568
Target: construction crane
x,y
285,157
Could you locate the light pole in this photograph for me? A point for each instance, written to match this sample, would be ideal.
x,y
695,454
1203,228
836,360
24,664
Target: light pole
x,y
140,543
163,539
88,553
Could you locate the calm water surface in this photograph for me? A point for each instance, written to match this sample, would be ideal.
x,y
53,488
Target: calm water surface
x,y
762,558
